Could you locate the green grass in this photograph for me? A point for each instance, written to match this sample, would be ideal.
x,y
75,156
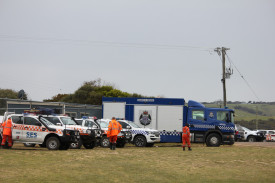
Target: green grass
x,y
165,163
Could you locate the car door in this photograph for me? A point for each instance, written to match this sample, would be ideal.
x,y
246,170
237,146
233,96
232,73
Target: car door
x,y
17,128
32,130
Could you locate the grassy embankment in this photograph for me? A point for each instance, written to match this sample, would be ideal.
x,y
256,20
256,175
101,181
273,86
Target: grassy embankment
x,y
132,164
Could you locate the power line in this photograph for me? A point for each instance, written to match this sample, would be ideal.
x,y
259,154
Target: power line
x,y
124,44
231,62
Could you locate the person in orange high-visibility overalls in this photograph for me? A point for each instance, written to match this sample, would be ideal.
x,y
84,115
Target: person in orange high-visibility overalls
x,y
114,129
186,137
7,128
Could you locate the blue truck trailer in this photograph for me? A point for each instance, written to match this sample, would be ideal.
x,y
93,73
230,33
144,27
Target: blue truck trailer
x,y
213,126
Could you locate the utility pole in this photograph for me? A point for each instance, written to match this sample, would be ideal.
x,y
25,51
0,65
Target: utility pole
x,y
224,74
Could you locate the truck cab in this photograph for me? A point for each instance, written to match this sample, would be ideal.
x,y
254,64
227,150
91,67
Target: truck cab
x,y
213,126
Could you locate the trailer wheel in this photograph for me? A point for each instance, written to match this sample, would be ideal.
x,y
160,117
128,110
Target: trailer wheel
x,y
53,143
251,139
213,140
140,141
104,142
29,145
90,146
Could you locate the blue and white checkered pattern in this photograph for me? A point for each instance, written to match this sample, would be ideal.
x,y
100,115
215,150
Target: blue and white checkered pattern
x,y
204,126
226,128
172,133
134,132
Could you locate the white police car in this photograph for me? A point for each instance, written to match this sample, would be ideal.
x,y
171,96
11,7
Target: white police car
x,y
141,137
33,130
88,135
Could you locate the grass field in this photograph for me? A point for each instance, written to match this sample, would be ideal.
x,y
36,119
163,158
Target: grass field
x,y
165,163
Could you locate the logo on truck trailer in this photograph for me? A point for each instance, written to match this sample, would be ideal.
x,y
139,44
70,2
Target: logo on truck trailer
x,y
145,117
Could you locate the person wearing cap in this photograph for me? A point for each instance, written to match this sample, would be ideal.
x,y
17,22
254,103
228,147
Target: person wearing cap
x,y
7,129
114,129
186,137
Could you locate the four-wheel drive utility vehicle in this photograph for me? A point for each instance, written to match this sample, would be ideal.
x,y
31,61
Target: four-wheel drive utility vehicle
x,y
141,137
88,135
33,130
123,137
250,135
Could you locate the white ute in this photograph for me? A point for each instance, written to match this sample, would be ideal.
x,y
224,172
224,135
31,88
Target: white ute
x,y
88,135
33,130
141,137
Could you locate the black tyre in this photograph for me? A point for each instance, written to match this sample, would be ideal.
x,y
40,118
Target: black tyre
x,y
90,146
76,145
53,143
29,145
213,140
104,142
251,139
65,146
120,144
150,145
140,141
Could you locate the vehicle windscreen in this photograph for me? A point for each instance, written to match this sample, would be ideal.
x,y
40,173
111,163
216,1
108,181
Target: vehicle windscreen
x,y
68,121
90,123
133,124
104,124
232,117
46,122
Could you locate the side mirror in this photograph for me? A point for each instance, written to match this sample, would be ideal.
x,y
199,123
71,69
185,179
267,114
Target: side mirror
x,y
58,124
128,127
94,126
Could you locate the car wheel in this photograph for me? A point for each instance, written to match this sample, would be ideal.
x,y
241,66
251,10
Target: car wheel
x,y
120,144
29,145
213,140
251,139
90,146
140,141
76,145
53,143
104,142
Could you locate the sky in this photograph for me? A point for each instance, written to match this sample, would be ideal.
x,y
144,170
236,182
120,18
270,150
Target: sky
x,y
161,48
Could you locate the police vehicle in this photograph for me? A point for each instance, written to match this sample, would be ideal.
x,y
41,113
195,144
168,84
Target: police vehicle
x,y
33,130
88,135
123,137
141,137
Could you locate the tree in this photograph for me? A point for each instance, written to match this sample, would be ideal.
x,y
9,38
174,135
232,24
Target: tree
x,y
56,98
9,93
91,92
